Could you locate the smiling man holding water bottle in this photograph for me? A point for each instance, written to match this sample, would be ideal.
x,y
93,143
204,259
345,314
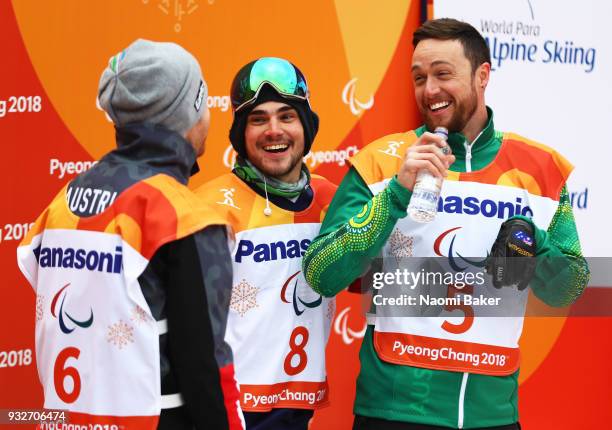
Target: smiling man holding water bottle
x,y
477,198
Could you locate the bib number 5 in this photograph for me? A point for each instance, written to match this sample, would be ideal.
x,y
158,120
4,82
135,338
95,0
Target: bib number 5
x,y
296,348
61,372
468,311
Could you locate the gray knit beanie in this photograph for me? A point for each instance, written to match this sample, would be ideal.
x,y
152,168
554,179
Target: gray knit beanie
x,y
155,82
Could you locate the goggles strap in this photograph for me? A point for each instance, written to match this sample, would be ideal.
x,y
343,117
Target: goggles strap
x,y
275,88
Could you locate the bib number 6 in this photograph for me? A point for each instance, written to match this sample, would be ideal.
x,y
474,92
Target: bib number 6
x,y
61,372
297,349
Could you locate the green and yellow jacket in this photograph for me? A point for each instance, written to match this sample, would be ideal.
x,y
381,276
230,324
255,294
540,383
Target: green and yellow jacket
x,y
360,220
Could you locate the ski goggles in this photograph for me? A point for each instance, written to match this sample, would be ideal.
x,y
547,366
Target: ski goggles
x,y
283,76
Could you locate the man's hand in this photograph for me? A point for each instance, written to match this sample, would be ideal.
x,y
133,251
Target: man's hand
x,y
426,153
512,261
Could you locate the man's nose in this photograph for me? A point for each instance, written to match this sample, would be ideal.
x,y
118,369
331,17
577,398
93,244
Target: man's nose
x,y
274,129
431,88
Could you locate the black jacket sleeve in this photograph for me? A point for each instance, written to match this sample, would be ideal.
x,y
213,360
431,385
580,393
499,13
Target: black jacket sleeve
x,y
199,281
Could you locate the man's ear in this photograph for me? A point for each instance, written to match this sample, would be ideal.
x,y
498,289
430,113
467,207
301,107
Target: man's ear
x,y
482,75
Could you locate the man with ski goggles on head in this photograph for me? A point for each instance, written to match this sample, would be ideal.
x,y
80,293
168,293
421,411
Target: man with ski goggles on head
x,y
278,326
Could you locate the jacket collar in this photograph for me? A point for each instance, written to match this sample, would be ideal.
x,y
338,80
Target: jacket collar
x,y
159,149
456,140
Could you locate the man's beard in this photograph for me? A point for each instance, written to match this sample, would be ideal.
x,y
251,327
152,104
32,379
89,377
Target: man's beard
x,y
278,171
462,115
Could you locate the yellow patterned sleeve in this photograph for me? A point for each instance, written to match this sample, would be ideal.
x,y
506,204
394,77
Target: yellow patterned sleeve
x,y
353,233
562,272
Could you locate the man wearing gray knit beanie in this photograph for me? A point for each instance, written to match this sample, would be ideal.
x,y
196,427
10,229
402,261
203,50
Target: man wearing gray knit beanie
x,y
145,257
157,83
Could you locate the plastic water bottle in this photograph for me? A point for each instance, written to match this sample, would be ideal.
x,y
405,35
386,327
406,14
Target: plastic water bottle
x,y
423,205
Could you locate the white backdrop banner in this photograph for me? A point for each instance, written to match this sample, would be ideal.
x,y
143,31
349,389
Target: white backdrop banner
x,y
551,82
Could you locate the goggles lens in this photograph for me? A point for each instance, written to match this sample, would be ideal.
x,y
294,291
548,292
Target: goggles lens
x,y
283,76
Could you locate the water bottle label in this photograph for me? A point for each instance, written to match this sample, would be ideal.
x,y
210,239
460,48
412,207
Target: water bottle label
x,y
428,196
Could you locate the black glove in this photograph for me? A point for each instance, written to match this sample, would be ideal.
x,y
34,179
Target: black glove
x,y
516,238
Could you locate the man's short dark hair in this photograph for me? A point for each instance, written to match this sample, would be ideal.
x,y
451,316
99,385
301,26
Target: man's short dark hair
x,y
474,46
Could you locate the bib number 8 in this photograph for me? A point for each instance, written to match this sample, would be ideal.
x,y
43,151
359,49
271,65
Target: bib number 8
x,y
297,349
61,372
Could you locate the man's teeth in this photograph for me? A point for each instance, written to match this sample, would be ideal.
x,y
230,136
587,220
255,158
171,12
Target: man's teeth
x,y
438,105
276,147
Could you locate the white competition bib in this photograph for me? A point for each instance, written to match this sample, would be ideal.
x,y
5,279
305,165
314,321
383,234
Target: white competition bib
x,y
470,215
90,317
278,326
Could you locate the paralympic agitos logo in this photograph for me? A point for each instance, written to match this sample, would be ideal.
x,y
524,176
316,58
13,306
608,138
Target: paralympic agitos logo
x,y
296,300
62,315
454,258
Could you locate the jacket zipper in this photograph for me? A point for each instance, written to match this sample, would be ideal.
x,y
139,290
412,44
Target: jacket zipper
x,y
468,156
468,168
462,400
464,379
468,152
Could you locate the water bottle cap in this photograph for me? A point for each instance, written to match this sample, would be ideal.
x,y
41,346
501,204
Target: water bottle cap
x,y
441,130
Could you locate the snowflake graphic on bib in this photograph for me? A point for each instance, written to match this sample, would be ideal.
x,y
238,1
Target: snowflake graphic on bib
x,y
244,297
